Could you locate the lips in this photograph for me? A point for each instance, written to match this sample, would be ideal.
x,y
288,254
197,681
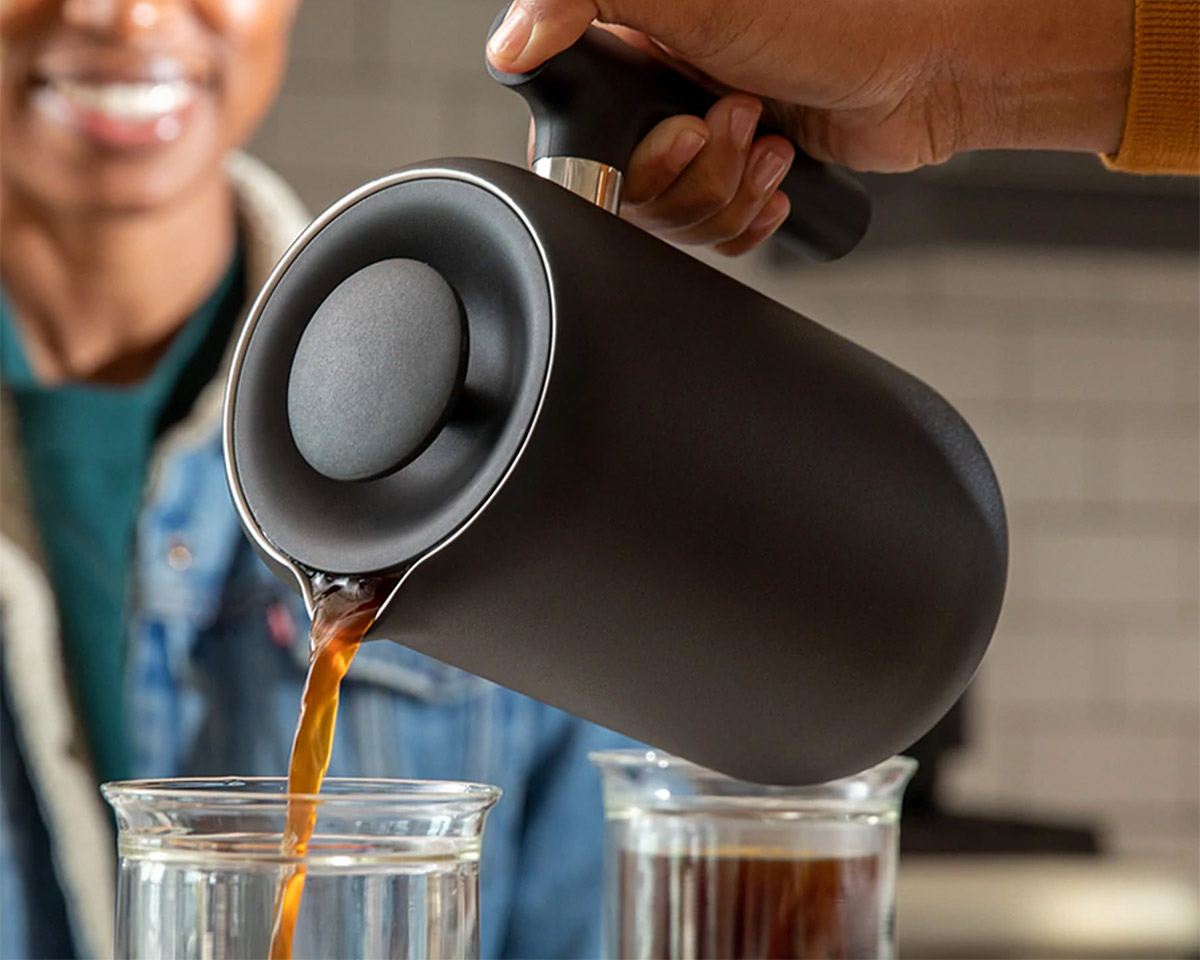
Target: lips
x,y
119,113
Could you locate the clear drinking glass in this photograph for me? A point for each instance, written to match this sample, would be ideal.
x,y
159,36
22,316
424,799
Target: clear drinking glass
x,y
392,869
698,865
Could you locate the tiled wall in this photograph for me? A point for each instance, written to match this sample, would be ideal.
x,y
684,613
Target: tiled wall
x,y
375,84
1078,371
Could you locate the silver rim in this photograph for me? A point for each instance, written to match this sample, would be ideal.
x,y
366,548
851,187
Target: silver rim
x,y
252,318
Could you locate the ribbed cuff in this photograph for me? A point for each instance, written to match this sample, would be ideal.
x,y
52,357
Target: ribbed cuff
x,y
1162,120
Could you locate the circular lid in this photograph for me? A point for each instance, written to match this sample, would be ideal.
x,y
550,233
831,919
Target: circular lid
x,y
377,370
389,374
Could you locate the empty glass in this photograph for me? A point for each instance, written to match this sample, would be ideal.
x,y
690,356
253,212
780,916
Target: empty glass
x,y
698,865
392,869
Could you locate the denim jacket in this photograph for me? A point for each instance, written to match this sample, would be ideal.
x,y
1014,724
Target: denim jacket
x,y
216,657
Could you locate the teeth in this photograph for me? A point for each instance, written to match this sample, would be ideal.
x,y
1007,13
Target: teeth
x,y
127,101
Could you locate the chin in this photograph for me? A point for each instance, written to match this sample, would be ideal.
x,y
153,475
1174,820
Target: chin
x,y
114,185
132,191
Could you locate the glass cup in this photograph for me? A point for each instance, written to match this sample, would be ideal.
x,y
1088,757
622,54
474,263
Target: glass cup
x,y
698,865
392,869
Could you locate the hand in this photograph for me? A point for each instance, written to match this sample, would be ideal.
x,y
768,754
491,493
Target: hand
x,y
885,85
692,187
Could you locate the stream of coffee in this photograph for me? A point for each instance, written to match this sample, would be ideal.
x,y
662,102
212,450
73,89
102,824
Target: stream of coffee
x,y
343,611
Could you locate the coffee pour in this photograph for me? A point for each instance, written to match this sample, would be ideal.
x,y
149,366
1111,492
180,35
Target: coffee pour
x,y
605,474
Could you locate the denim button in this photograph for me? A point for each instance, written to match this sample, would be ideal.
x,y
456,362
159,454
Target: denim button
x,y
179,557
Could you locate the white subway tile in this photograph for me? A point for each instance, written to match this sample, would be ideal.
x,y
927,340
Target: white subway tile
x,y
1102,368
1158,467
1159,278
1103,568
443,35
1043,463
1189,573
1031,274
1160,669
376,131
1189,766
373,39
858,318
1088,317
1187,371
1090,770
899,274
1180,323
482,119
988,775
319,187
1111,685
1049,667
324,31
956,363
1022,568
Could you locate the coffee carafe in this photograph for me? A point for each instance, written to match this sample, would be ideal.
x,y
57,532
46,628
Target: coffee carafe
x,y
603,473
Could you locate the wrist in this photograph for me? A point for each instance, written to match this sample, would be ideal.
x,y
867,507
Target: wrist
x,y
1038,74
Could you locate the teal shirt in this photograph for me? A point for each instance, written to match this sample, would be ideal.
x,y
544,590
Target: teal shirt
x,y
87,451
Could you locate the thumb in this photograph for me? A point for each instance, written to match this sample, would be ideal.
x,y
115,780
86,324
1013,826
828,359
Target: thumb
x,y
535,30
717,37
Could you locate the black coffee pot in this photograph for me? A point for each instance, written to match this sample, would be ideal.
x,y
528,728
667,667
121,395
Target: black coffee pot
x,y
605,474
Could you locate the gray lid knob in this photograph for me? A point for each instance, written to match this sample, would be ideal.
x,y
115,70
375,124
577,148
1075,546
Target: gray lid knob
x,y
377,370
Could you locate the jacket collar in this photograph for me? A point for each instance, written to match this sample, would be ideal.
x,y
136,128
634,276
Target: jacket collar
x,y
272,217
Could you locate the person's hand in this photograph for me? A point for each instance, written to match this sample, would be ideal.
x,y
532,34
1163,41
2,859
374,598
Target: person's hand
x,y
883,85
691,186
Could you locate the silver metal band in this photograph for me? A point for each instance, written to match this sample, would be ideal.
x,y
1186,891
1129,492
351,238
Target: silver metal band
x,y
596,182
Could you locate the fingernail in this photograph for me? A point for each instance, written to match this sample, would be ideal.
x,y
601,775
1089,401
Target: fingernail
x,y
513,35
684,148
742,123
767,170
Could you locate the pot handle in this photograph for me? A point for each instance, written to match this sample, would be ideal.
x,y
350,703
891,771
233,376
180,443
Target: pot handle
x,y
597,99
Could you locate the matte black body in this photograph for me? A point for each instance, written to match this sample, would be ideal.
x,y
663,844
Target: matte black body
x,y
733,534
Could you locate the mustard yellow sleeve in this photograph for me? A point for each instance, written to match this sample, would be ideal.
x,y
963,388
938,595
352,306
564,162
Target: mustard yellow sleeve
x,y
1162,119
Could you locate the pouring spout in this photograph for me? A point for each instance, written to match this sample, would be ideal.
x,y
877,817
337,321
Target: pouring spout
x,y
377,592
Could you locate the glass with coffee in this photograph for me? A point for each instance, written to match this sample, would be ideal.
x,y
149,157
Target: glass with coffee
x,y
699,865
391,869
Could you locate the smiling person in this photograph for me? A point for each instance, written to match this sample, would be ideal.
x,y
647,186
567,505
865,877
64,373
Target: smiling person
x,y
140,635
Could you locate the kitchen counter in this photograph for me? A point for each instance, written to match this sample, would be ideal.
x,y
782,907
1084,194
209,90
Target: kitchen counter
x,y
1016,907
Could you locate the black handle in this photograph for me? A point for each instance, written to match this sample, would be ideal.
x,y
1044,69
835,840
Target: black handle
x,y
600,97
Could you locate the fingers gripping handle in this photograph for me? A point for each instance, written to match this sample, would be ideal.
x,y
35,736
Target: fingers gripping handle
x,y
600,97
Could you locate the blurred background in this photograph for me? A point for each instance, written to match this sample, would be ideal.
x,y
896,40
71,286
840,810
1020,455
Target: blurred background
x,y
1057,306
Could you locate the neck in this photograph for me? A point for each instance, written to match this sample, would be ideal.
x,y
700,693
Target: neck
x,y
98,297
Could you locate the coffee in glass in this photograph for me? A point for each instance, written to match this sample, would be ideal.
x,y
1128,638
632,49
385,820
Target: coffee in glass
x,y
702,866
